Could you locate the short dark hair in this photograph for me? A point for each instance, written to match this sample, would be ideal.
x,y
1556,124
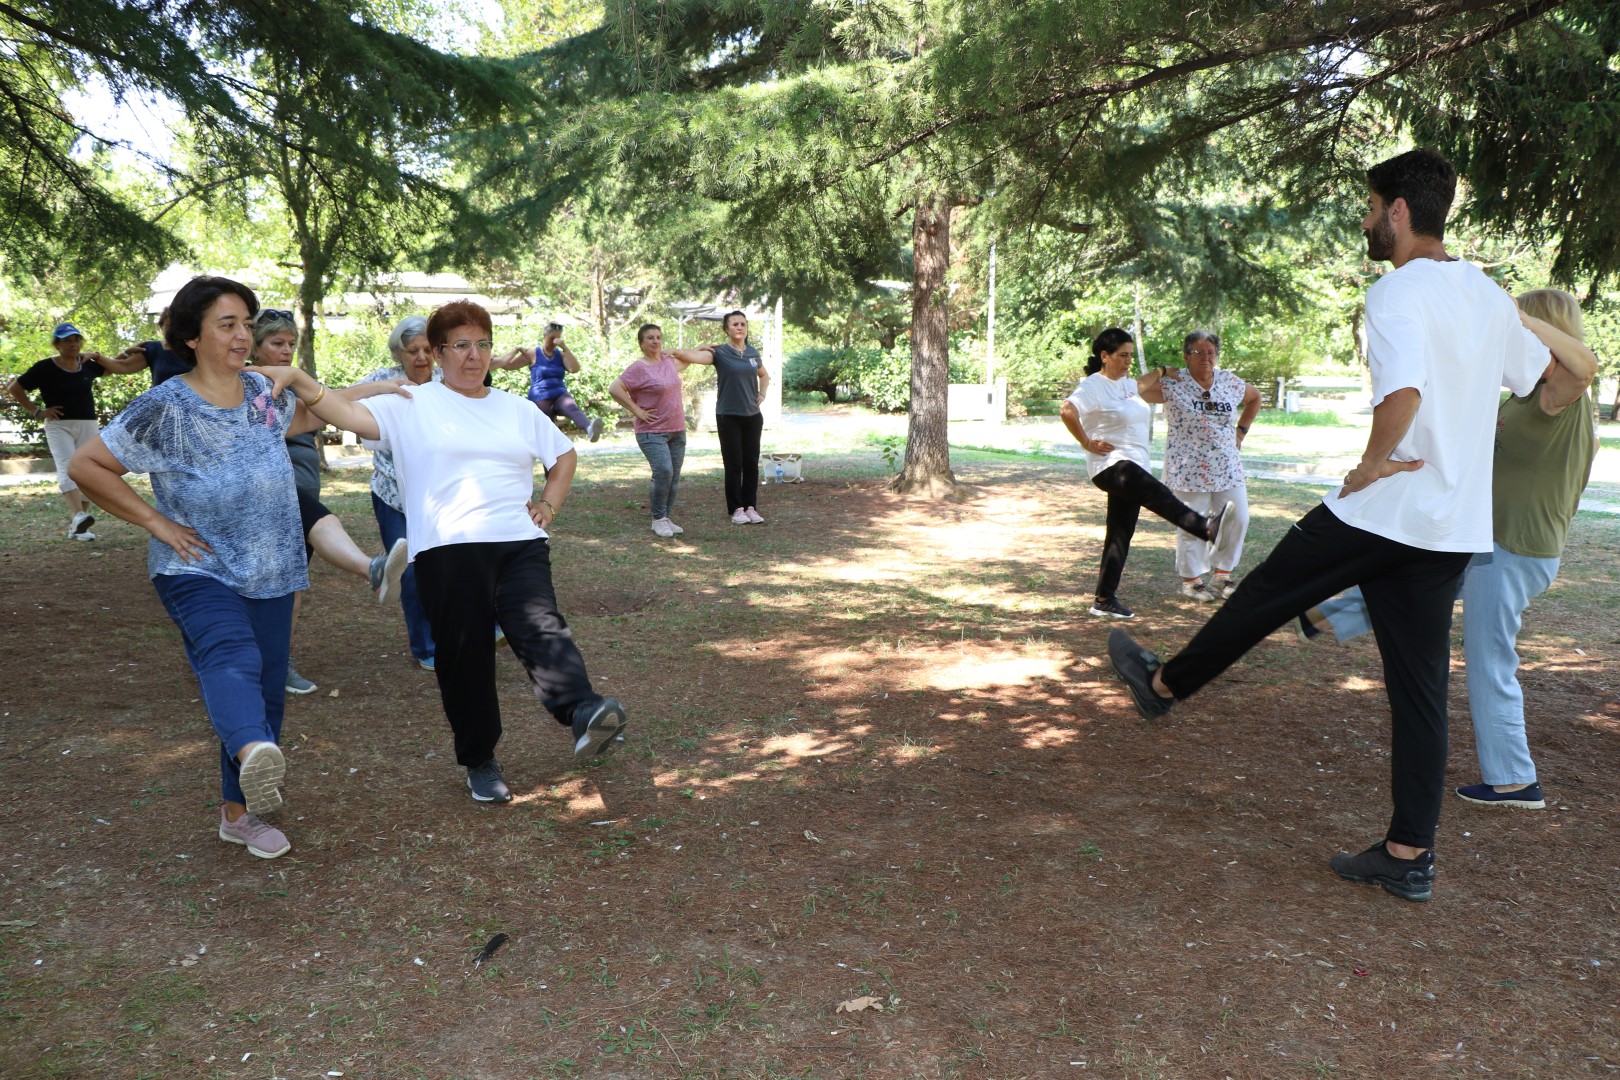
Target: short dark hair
x,y
642,332
725,320
454,314
1199,335
1425,180
191,303
1106,342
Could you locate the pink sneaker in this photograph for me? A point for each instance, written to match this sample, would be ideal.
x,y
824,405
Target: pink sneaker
x,y
753,516
740,517
265,841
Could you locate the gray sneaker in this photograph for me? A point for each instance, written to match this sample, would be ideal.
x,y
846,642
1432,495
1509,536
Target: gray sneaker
x,y
598,727
594,429
297,684
387,569
486,783
265,841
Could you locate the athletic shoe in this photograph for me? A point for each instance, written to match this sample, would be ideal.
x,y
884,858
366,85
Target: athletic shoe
x,y
265,841
1112,609
387,569
260,777
425,665
486,783
81,535
1218,522
1197,590
297,684
1529,798
662,527
740,517
1409,879
597,725
1223,588
674,528
1135,667
1304,629
81,524
594,429
753,516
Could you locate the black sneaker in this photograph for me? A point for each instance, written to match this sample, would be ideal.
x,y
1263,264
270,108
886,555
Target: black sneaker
x,y
486,783
1217,522
597,727
1112,609
1409,879
1135,667
1529,798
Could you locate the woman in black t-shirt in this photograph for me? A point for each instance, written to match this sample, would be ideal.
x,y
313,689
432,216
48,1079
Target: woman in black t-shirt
x,y
742,381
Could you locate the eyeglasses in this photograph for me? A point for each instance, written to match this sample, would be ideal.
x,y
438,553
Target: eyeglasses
x,y
268,313
484,346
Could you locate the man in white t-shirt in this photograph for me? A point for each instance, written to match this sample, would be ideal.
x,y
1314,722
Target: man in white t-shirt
x,y
1442,339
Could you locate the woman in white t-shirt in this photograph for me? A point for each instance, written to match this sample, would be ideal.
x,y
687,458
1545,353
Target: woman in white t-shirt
x,y
464,456
1108,415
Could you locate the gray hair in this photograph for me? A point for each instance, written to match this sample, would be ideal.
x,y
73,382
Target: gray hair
x,y
1199,335
270,321
409,328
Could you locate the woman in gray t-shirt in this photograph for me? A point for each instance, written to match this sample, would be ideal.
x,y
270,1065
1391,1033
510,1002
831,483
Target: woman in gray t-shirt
x,y
742,380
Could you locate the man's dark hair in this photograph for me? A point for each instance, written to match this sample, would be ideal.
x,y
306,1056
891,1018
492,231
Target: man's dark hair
x,y
1425,180
191,303
1106,342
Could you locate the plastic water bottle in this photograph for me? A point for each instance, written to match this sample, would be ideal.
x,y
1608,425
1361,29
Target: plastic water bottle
x,y
778,472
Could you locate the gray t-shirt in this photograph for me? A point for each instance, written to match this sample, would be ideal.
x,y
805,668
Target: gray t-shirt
x,y
306,463
738,373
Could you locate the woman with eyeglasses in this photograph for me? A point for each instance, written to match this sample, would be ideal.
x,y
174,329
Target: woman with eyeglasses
x,y
464,456
224,555
1108,415
275,337
742,380
1209,412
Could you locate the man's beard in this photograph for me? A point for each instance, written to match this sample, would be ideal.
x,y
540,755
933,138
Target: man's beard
x,y
1381,239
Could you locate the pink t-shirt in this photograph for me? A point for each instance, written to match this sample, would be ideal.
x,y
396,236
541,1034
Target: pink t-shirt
x,y
656,388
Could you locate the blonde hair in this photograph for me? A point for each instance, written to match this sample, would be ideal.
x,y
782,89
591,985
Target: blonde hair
x,y
1554,306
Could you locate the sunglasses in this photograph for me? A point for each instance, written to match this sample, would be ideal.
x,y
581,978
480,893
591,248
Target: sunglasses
x,y
268,313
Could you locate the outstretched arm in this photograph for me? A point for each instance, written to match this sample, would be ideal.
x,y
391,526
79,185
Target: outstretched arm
x,y
1151,385
327,407
702,355
517,358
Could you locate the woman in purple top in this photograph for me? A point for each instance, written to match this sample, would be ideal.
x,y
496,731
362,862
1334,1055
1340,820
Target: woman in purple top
x,y
549,364
650,389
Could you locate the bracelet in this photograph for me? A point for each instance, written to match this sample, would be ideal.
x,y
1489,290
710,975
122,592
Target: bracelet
x,y
548,506
316,400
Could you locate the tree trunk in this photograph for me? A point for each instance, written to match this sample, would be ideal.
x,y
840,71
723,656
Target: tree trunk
x,y
927,469
309,295
599,311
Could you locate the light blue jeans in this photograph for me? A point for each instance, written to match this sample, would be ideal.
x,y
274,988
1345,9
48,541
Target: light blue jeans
x,y
665,451
1495,592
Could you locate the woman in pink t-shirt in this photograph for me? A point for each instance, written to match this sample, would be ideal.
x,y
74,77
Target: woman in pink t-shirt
x,y
650,389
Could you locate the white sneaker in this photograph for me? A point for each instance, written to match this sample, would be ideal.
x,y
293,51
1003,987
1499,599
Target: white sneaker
x,y
753,516
740,517
661,527
80,528
674,528
81,535
1224,587
1197,590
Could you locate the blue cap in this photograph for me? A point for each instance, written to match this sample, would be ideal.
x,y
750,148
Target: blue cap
x,y
65,330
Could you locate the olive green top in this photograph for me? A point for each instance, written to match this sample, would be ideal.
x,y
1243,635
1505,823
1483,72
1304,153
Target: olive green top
x,y
1542,465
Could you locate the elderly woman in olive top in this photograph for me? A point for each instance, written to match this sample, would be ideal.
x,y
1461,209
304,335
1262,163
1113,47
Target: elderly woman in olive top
x,y
464,456
413,363
1108,415
1209,412
650,388
742,381
68,408
1546,442
224,555
275,337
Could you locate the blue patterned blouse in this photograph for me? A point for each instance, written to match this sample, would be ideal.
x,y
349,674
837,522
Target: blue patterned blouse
x,y
223,472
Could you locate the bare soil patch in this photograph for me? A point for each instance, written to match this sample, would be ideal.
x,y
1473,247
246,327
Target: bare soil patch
x,y
874,753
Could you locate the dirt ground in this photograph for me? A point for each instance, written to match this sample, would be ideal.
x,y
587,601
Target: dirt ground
x,y
874,757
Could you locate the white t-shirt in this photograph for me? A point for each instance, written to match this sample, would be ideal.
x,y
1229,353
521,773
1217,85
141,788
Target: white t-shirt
x,y
465,466
1112,411
1450,332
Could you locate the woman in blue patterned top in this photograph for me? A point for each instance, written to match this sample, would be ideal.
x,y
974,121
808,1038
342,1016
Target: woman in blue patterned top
x,y
226,553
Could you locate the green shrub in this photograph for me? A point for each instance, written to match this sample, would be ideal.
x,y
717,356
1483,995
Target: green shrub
x,y
813,369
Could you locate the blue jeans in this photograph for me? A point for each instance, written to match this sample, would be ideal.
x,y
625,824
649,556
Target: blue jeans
x,y
665,451
238,648
1498,588
391,523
